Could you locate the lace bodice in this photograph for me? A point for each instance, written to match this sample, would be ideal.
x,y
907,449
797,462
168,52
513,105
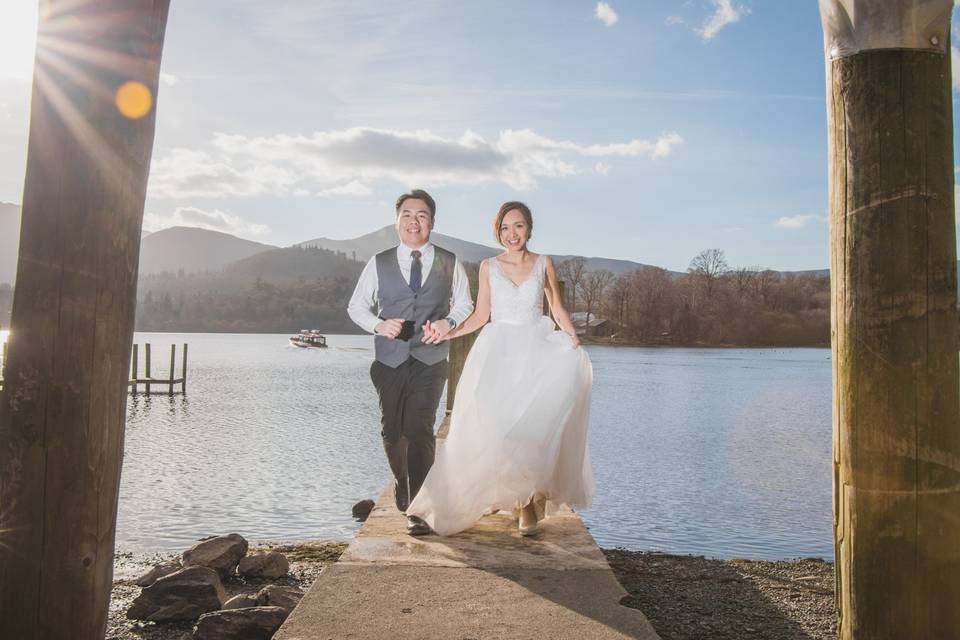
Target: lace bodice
x,y
514,303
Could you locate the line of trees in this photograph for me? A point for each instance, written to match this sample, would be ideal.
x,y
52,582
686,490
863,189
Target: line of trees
x,y
710,304
262,307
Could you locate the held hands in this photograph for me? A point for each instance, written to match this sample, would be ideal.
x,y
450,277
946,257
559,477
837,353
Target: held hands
x,y
435,332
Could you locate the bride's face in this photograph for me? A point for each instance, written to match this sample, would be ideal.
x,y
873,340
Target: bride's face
x,y
514,231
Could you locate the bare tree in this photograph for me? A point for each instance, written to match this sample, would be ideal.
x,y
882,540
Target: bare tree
x,y
592,288
571,271
744,279
707,266
619,298
652,290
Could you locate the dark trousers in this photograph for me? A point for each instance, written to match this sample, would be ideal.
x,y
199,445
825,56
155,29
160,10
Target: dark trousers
x,y
409,396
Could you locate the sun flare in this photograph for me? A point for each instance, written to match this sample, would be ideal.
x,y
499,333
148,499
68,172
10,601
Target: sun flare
x,y
18,38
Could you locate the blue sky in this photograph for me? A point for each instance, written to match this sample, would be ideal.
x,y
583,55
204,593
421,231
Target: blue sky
x,y
639,130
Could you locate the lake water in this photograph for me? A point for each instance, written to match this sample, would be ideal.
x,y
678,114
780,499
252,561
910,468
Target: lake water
x,y
720,452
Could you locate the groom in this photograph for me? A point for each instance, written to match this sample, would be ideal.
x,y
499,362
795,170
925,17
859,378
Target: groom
x,y
411,296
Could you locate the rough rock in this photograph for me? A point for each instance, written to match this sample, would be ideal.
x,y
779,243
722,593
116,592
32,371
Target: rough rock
x,y
362,509
158,571
264,565
221,553
184,595
241,601
274,595
253,623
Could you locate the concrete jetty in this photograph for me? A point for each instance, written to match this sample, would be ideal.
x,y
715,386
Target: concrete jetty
x,y
487,582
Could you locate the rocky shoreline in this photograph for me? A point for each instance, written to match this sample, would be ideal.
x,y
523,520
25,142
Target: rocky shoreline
x,y
685,597
305,562
695,598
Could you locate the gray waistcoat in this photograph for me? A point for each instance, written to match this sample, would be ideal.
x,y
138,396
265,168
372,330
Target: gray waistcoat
x,y
395,299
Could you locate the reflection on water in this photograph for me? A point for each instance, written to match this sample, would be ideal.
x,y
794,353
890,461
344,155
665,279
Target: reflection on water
x,y
721,452
717,452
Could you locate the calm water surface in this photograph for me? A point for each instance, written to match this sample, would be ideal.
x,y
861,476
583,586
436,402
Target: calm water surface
x,y
721,452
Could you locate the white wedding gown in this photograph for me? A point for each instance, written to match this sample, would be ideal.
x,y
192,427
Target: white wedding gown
x,y
519,421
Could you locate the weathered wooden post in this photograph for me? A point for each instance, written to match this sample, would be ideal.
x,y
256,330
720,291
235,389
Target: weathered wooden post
x,y
62,413
136,367
183,387
146,367
173,362
894,318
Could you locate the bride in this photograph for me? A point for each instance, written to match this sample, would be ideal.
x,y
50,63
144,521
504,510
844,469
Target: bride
x,y
518,431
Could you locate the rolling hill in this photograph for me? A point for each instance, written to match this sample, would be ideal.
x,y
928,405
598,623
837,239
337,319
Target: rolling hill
x,y
365,246
194,250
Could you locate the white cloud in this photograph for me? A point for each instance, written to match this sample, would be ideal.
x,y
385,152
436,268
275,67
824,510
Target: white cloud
x,y
346,162
215,220
168,79
725,12
798,221
602,168
605,14
186,173
352,188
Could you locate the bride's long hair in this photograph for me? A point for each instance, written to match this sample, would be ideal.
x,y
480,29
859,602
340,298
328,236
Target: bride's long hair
x,y
506,208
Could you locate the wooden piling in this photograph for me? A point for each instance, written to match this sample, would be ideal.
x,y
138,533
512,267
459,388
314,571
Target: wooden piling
x,y
896,401
146,368
62,412
173,364
183,383
136,367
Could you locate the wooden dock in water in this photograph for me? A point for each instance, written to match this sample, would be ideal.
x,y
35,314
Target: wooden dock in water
x,y
148,381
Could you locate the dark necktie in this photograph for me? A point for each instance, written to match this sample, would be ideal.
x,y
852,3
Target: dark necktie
x,y
416,271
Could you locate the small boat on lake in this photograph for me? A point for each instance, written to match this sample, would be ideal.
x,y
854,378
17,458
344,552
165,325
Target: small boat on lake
x,y
309,338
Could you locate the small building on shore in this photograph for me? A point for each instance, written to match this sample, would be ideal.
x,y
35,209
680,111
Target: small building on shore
x,y
594,327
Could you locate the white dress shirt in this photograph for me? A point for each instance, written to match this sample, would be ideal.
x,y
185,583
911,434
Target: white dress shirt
x,y
363,304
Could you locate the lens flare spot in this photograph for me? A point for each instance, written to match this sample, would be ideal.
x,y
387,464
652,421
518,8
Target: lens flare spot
x,y
134,100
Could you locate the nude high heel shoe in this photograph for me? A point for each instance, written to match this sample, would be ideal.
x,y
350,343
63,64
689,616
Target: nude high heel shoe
x,y
530,529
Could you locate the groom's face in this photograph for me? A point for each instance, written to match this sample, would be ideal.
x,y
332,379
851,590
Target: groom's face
x,y
414,223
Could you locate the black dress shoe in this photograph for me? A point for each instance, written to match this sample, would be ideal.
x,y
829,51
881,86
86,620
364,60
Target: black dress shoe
x,y
417,527
400,496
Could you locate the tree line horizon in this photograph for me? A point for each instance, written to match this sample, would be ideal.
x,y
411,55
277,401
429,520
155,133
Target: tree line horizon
x,y
711,303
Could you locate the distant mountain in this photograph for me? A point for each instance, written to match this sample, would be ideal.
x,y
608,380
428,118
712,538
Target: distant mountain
x,y
293,264
9,240
610,264
367,245
275,290
193,250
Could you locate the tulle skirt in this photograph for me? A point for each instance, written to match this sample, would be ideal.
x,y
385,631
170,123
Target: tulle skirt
x,y
518,429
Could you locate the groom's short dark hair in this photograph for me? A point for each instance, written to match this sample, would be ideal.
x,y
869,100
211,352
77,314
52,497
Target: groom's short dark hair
x,y
419,194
